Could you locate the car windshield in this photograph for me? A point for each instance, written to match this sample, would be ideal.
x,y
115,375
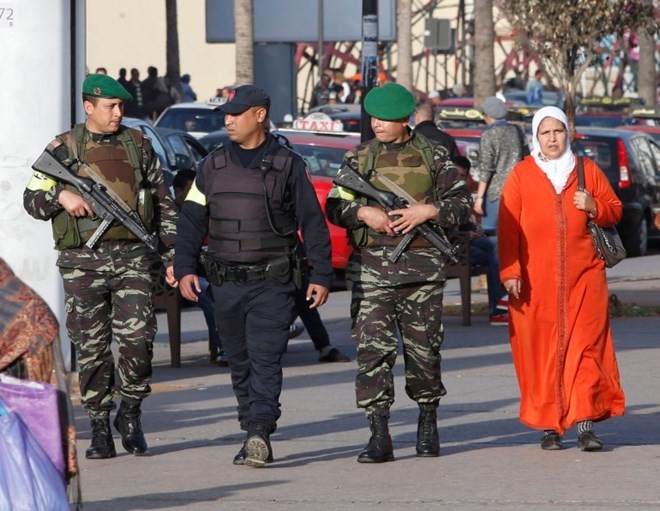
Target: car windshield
x,y
600,121
601,151
548,98
322,161
192,119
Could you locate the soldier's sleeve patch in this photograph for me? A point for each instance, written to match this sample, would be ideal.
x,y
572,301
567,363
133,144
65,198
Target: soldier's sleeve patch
x,y
40,182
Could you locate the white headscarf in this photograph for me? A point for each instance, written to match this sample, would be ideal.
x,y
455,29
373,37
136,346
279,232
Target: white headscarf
x,y
557,170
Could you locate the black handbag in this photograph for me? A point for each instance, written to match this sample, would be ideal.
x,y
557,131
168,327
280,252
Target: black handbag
x,y
607,241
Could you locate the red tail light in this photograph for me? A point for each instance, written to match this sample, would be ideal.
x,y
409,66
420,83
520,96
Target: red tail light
x,y
624,173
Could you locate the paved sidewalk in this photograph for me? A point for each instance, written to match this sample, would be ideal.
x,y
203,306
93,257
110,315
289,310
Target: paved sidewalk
x,y
488,460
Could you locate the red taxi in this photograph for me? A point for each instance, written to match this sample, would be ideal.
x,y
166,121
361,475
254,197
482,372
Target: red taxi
x,y
323,152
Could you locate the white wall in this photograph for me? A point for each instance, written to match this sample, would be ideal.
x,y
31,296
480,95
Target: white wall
x,y
35,98
131,33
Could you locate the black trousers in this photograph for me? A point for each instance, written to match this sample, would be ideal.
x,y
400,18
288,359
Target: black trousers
x,y
312,320
253,319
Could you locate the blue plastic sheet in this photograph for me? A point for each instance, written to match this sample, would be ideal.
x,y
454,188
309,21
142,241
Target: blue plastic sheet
x,y
37,405
28,479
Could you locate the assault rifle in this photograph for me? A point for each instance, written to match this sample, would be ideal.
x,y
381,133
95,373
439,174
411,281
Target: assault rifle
x,y
105,202
349,178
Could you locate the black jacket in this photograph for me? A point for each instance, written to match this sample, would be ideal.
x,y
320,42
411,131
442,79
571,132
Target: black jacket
x,y
194,218
429,130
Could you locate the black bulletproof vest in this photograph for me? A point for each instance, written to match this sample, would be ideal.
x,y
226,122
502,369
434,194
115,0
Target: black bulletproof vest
x,y
240,230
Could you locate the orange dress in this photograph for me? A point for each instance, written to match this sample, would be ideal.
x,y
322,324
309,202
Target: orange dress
x,y
560,333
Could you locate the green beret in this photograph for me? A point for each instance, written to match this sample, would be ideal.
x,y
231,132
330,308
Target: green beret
x,y
104,86
390,102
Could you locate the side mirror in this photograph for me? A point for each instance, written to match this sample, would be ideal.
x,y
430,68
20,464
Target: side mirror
x,y
183,162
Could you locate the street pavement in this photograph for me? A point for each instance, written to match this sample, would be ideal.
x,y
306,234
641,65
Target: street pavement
x,y
489,460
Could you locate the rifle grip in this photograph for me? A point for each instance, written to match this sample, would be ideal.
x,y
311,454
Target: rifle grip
x,y
401,247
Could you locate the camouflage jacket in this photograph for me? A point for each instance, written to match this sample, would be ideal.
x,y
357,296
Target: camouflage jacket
x,y
40,198
448,190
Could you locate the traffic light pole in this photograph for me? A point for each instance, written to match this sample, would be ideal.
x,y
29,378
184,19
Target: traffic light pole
x,y
369,70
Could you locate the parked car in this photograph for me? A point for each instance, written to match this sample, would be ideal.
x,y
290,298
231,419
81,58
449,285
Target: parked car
x,y
183,143
598,119
198,119
631,161
467,140
349,114
323,155
548,98
170,161
654,131
212,140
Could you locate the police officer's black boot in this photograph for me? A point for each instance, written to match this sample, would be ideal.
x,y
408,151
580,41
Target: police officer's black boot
x,y
102,444
239,459
128,424
257,446
428,442
379,449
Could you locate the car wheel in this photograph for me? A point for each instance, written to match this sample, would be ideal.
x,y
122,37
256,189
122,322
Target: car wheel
x,y
637,244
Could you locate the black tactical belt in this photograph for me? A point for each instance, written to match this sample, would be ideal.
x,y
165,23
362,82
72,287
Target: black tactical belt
x,y
279,270
243,273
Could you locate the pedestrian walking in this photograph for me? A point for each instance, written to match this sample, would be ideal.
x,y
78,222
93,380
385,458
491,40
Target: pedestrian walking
x,y
501,146
108,287
561,339
256,194
403,296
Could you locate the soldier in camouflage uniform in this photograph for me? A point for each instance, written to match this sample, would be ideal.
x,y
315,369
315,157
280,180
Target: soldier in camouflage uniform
x,y
109,288
406,295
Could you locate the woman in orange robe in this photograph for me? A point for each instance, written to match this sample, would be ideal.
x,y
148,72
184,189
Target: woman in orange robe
x,y
558,300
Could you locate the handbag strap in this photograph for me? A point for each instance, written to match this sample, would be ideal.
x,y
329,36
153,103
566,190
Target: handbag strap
x,y
580,172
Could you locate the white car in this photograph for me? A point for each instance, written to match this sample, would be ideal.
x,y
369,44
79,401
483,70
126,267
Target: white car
x,y
198,119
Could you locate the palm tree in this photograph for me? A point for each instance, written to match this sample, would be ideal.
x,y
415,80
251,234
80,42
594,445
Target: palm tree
x,y
484,56
173,72
243,16
646,72
404,43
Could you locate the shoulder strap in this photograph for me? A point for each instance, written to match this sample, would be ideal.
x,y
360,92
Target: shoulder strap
x,y
78,141
132,142
428,152
220,157
372,154
580,174
282,160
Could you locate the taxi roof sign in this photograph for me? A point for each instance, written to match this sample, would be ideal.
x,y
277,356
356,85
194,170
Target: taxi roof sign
x,y
459,114
608,102
648,112
216,101
318,121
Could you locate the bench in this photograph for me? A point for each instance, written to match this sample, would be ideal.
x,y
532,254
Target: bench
x,y
169,299
463,271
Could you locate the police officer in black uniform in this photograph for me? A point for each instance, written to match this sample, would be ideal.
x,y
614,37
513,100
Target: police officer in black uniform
x,y
253,195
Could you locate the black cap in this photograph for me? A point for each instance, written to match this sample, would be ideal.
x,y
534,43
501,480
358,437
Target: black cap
x,y
245,97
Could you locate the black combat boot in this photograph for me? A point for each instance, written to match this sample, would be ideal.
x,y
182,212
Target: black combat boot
x,y
239,459
379,449
102,444
128,424
257,446
428,443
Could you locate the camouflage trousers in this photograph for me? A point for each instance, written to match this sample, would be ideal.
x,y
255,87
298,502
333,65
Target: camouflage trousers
x,y
109,294
380,312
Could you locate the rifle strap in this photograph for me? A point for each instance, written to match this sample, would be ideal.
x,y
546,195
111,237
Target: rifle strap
x,y
428,152
372,156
